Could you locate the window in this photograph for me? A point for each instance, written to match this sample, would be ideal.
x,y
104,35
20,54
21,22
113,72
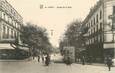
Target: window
x,y
94,30
91,31
11,33
13,22
88,33
87,25
11,11
94,21
91,23
4,30
97,18
90,41
19,26
100,14
97,27
101,38
7,32
0,13
15,34
4,16
94,38
101,26
8,19
98,38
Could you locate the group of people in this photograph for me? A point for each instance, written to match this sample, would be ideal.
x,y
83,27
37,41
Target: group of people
x,y
45,59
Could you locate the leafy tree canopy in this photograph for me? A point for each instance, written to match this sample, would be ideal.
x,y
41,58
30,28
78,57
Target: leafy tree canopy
x,y
35,37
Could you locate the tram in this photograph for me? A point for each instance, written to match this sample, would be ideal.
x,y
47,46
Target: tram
x,y
68,54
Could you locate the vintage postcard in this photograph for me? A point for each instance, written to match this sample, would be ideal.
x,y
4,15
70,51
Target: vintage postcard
x,y
57,36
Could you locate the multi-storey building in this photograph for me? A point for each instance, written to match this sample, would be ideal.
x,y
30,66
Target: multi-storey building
x,y
100,34
10,23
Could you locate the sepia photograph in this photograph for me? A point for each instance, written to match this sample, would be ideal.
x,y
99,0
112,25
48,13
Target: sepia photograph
x,y
57,36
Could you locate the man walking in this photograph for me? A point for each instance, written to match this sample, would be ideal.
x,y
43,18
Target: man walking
x,y
47,60
38,58
43,58
83,60
109,62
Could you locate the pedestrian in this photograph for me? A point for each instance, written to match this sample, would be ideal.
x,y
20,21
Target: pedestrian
x,y
38,58
43,58
68,62
90,59
47,60
109,62
83,60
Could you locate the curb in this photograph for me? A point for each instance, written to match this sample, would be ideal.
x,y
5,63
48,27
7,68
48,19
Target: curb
x,y
29,59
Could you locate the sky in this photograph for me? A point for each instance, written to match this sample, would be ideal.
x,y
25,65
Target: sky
x,y
55,19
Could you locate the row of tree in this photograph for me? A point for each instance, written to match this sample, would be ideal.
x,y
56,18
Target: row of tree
x,y
36,39
73,36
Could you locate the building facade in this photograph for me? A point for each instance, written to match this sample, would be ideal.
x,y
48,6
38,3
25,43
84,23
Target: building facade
x,y
10,23
100,33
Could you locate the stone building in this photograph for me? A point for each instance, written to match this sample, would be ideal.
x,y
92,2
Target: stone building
x,y
10,24
100,33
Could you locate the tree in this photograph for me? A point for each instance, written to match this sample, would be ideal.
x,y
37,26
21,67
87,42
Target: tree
x,y
73,33
73,37
36,38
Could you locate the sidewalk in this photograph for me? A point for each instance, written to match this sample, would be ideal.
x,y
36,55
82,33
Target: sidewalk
x,y
95,64
28,59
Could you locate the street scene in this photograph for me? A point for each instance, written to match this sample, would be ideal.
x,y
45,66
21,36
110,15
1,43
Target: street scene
x,y
53,36
35,67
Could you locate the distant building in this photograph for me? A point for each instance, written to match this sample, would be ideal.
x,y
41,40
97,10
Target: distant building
x,y
10,24
101,33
